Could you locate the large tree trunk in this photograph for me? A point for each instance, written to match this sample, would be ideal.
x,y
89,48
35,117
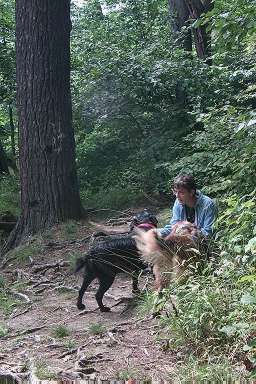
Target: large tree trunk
x,y
49,187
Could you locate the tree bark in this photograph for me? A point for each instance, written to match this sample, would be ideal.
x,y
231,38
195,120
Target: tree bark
x,y
49,186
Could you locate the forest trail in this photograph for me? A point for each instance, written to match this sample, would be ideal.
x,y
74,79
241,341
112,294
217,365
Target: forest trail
x,y
119,345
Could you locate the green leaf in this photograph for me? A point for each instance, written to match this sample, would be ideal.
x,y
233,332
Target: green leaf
x,y
229,330
248,278
251,246
247,298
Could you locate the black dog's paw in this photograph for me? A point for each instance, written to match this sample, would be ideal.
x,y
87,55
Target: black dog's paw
x,y
105,309
80,306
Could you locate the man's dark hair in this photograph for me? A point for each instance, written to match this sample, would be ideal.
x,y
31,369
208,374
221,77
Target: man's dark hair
x,y
185,181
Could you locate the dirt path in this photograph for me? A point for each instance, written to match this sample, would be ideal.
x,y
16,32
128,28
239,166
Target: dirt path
x,y
116,345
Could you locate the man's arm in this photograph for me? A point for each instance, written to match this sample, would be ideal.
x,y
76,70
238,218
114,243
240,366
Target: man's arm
x,y
210,216
174,219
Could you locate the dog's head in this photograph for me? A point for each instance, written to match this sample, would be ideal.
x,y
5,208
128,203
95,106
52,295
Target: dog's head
x,y
145,220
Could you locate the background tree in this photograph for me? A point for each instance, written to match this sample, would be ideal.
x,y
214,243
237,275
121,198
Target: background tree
x,y
7,86
49,189
184,18
179,15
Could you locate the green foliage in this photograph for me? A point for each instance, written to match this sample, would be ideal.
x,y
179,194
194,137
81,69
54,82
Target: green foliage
x,y
163,217
201,310
194,371
7,302
133,99
69,229
9,192
236,225
148,110
96,329
128,373
60,331
7,71
43,372
216,309
113,197
215,319
2,282
3,330
234,25
7,51
70,344
24,253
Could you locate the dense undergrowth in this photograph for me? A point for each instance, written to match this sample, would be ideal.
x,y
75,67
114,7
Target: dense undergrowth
x,y
214,328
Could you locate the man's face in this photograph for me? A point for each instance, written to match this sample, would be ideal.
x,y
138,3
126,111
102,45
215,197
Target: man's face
x,y
183,195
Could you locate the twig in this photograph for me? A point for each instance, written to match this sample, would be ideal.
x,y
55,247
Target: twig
x,y
111,296
70,352
44,267
6,260
41,283
25,332
62,244
124,343
64,287
121,301
43,288
21,313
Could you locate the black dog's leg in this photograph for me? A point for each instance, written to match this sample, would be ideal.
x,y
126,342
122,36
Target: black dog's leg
x,y
88,278
105,283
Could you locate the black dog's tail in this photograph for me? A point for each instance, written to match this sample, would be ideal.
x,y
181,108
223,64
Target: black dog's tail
x,y
80,263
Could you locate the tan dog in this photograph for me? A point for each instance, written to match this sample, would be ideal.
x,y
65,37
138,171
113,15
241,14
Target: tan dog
x,y
169,256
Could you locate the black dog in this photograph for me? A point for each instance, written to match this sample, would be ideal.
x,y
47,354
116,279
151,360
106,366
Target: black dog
x,y
112,255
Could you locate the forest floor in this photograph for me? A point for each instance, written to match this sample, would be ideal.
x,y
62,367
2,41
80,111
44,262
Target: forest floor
x,y
43,332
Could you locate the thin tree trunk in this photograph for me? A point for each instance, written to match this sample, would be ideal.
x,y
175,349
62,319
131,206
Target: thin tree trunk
x,y
49,187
